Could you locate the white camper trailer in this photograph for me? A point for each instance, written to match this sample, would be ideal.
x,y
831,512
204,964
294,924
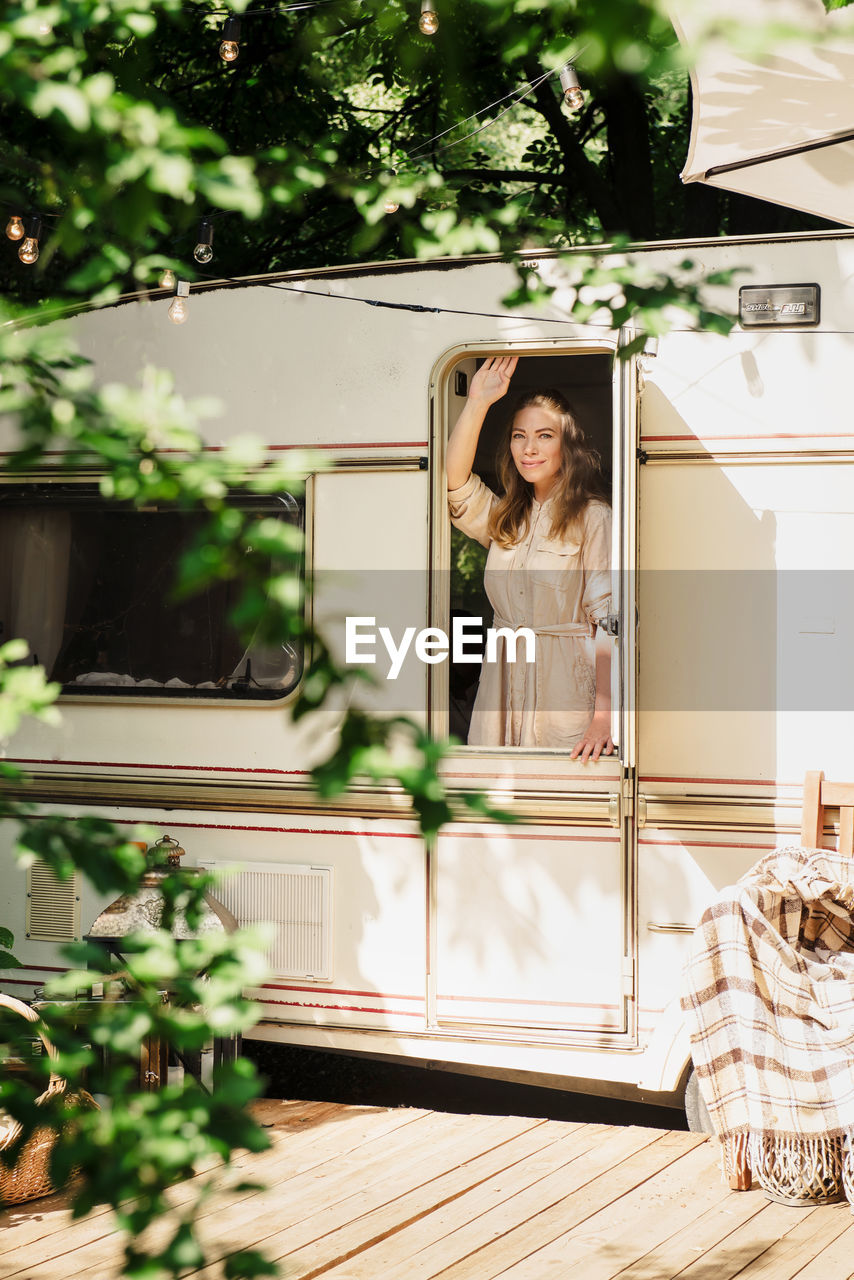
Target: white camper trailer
x,y
548,950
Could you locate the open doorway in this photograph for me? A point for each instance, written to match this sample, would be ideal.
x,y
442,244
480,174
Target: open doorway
x,y
585,380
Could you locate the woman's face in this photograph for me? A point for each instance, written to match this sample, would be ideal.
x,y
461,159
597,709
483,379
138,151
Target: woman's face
x,y
535,447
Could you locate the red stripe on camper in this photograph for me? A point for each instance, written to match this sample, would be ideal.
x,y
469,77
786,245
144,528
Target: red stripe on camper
x,y
234,826
338,991
41,968
344,1008
271,448
772,435
729,782
125,764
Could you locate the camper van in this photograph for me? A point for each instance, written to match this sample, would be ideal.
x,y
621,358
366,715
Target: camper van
x,y
547,949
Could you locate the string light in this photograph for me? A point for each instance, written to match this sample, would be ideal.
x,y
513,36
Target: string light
x,y
203,251
428,23
281,8
16,229
418,308
230,47
512,99
178,312
29,250
390,205
573,94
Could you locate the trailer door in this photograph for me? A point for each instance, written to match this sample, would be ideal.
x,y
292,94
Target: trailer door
x,y
531,921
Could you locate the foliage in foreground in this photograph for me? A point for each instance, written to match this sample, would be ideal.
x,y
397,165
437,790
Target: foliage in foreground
x,y
122,129
146,444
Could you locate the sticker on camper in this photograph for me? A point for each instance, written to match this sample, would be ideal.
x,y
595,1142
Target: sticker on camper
x,y
778,304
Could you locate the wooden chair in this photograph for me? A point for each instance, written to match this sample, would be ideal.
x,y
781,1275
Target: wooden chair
x,y
818,796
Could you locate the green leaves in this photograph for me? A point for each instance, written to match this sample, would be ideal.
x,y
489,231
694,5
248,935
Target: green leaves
x,y
123,119
393,751
66,99
247,1265
180,993
24,691
122,128
231,184
7,959
91,845
630,292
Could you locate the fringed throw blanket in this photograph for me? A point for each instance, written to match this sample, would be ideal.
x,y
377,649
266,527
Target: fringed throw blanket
x,y
769,1003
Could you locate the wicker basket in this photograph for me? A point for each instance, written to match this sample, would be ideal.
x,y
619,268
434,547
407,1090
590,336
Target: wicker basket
x,y
29,1177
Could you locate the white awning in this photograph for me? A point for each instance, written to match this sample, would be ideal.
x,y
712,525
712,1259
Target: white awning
x,y
778,127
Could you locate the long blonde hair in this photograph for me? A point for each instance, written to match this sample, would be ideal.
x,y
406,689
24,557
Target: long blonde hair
x,y
578,481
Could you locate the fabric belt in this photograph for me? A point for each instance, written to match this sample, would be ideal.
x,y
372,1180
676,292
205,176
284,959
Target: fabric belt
x,y
556,629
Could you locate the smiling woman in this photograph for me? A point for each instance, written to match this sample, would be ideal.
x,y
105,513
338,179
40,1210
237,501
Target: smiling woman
x,y
535,445
548,568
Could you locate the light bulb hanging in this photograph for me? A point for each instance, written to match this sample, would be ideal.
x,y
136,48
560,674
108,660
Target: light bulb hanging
x,y
390,205
15,227
230,47
203,251
178,312
167,279
428,23
29,250
573,94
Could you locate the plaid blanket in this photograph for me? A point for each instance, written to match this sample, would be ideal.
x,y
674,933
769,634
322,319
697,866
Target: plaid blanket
x,y
769,1003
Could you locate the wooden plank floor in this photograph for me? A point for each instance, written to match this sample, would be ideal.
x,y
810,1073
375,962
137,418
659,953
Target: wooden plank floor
x,y
357,1193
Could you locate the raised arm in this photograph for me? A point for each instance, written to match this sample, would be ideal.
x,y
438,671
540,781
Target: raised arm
x,y
489,384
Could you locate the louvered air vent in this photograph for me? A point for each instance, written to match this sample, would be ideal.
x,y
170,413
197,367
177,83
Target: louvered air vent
x,y
298,901
53,906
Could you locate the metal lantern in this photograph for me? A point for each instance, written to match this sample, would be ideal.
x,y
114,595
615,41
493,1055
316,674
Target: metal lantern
x,y
142,910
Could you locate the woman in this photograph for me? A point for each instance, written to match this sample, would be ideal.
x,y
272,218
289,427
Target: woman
x,y
553,524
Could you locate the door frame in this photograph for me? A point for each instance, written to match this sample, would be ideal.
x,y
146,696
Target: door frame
x,y
608,798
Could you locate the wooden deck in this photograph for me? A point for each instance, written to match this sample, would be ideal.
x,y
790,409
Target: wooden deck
x,y
360,1193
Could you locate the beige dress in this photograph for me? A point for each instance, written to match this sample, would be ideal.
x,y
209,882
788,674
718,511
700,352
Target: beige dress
x,y
557,587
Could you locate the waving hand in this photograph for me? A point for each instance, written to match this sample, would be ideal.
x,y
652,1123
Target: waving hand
x,y
492,379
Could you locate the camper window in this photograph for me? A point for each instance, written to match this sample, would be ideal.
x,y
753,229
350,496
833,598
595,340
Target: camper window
x,y
89,585
538,580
